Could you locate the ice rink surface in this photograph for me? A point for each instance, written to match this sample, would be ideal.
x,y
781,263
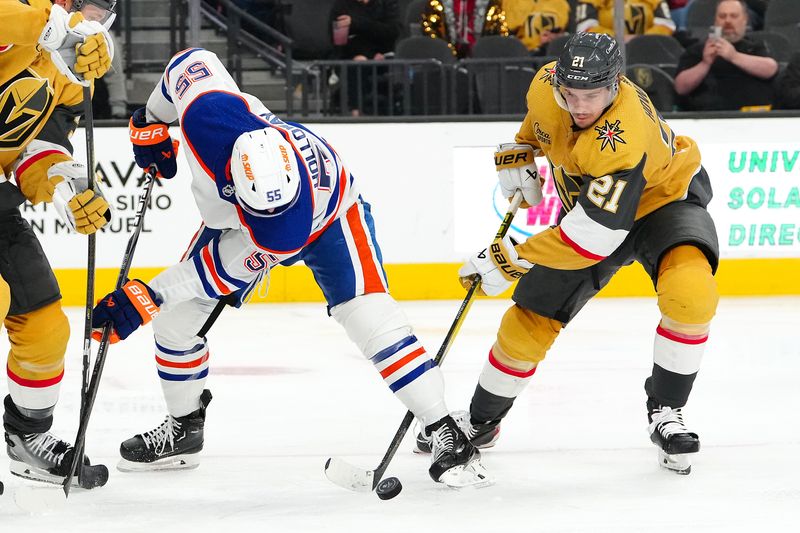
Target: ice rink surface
x,y
290,390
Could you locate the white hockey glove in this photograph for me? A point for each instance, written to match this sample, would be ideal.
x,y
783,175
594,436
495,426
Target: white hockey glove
x,y
497,266
83,210
516,169
82,50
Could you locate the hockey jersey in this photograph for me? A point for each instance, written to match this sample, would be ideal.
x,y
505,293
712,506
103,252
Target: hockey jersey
x,y
641,17
623,167
39,107
196,90
528,19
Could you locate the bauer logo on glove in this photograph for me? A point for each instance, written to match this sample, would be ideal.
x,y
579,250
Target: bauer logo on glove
x,y
152,145
516,170
124,310
498,267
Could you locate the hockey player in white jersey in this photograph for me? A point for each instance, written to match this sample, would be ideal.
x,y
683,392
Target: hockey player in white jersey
x,y
270,193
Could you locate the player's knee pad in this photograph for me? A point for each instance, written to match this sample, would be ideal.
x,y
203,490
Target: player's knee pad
x,y
372,321
687,290
177,328
35,355
524,337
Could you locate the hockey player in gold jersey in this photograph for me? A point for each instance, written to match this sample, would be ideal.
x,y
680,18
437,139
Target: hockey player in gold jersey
x,y
642,17
631,191
46,52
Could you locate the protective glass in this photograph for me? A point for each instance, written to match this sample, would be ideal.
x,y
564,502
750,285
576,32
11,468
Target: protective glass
x,y
96,10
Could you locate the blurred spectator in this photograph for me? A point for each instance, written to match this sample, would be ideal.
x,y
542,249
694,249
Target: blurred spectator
x,y
362,30
369,28
461,22
641,17
537,22
678,9
788,96
727,71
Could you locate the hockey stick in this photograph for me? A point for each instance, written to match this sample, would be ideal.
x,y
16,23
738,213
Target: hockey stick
x,y
357,479
88,117
100,360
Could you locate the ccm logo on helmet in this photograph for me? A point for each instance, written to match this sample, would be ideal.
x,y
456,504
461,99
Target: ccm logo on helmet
x,y
248,170
579,78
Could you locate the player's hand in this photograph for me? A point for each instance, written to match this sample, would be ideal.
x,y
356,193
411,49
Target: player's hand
x,y
516,170
82,209
497,266
152,145
81,49
125,309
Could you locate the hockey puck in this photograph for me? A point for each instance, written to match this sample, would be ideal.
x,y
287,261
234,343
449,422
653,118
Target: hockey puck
x,y
388,488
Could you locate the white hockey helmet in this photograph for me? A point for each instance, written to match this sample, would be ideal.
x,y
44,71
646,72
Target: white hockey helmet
x,y
264,171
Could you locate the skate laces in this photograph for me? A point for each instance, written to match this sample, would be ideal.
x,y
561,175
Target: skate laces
x,y
158,438
464,423
668,421
47,447
442,441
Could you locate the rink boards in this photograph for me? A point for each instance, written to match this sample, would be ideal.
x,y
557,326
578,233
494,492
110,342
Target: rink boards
x,y
433,191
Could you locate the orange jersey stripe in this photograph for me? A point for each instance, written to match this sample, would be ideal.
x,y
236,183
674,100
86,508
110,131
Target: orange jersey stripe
x,y
187,364
372,279
389,370
210,265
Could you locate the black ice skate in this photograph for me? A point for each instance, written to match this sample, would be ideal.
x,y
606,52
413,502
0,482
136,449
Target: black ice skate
x,y
454,461
674,440
44,457
481,435
174,445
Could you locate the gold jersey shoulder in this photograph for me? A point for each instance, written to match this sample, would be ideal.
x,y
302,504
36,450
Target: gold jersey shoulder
x,y
30,84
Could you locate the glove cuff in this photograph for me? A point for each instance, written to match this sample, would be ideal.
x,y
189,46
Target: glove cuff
x,y
513,156
144,134
508,262
143,299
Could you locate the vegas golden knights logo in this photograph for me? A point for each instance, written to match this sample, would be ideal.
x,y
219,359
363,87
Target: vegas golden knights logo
x,y
541,22
24,101
567,186
634,19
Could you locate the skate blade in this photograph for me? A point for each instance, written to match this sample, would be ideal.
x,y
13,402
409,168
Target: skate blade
x,y
27,471
176,462
680,463
473,475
